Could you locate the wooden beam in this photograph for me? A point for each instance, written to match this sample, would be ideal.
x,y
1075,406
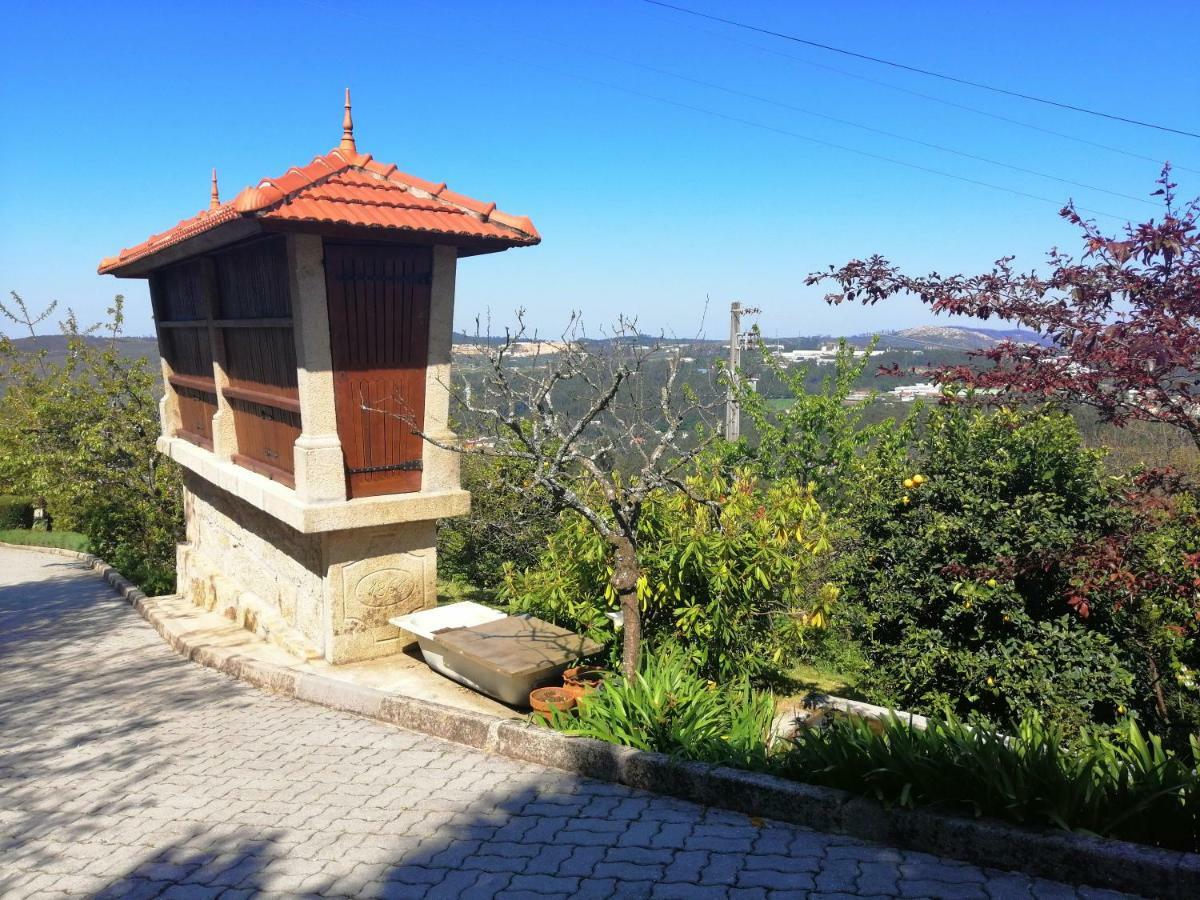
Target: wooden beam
x,y
262,398
254,323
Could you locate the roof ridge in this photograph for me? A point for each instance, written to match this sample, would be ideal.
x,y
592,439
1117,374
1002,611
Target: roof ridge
x,y
451,210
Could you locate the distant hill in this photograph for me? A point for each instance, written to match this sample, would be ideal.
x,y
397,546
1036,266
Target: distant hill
x,y
949,337
55,346
921,337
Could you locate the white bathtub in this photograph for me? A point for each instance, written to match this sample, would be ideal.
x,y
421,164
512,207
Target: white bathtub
x,y
509,682
428,622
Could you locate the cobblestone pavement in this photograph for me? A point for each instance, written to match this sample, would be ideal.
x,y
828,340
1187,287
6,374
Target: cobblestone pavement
x,y
126,771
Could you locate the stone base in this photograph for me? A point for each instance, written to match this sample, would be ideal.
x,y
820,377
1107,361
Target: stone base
x,y
328,594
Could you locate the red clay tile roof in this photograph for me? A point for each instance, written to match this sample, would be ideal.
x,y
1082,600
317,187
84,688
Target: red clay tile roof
x,y
348,188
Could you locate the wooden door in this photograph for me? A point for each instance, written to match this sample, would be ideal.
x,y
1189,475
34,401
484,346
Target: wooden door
x,y
379,298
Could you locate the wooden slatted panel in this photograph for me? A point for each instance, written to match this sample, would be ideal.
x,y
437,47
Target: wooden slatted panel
x,y
177,293
379,298
196,411
260,361
252,280
181,312
188,350
265,435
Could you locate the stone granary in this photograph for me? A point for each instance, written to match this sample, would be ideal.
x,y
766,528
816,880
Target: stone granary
x,y
304,329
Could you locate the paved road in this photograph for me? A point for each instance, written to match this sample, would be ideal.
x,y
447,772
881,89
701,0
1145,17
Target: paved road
x,y
126,771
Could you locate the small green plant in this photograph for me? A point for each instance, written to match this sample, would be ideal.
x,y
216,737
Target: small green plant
x,y
814,437
668,708
732,570
507,526
1122,784
15,512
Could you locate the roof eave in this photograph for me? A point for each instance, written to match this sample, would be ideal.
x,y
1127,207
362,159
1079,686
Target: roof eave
x,y
218,236
468,245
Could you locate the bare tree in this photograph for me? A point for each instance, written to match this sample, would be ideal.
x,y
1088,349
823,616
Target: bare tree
x,y
569,410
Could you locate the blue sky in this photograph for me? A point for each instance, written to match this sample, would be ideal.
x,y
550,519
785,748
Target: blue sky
x,y
114,114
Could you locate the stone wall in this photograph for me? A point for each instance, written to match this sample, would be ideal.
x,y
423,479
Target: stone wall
x,y
328,594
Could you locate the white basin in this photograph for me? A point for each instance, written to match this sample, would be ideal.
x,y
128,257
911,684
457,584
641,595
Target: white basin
x,y
428,622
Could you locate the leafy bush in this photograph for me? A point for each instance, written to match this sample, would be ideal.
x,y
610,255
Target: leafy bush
x,y
1126,785
81,433
959,572
507,526
732,571
818,436
1138,584
668,708
15,512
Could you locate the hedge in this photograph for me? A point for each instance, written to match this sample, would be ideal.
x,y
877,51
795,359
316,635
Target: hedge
x,y
15,512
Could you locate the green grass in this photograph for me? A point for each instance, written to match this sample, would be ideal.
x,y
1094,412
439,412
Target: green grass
x,y
804,679
65,540
452,591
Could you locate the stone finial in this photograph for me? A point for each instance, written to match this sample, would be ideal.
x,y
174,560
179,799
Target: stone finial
x,y
214,197
347,128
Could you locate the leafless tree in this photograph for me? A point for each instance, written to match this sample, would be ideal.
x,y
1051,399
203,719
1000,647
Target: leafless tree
x,y
568,411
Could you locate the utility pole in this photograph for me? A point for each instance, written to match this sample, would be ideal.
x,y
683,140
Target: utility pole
x,y
733,409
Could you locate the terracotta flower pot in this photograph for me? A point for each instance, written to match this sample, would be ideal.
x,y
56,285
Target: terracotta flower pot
x,y
545,699
585,676
578,691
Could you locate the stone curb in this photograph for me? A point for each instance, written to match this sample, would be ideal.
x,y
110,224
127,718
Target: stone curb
x,y
1120,865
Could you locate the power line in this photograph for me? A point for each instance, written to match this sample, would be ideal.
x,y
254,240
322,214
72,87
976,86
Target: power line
x,y
891,134
783,131
951,103
812,140
919,71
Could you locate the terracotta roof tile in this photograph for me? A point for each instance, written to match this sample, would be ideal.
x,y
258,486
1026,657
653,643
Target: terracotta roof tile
x,y
344,187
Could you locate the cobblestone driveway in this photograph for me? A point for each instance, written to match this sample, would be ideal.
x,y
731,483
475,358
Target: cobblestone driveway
x,y
126,771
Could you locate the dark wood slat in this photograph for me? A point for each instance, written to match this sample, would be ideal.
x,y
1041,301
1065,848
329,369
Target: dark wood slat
x,y
184,323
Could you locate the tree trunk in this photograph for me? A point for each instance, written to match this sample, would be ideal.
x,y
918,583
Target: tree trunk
x,y
1160,700
626,572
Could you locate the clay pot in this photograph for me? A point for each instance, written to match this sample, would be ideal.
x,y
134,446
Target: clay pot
x,y
545,699
578,691
585,676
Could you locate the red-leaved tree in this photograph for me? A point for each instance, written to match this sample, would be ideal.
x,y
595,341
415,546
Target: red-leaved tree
x,y
1120,324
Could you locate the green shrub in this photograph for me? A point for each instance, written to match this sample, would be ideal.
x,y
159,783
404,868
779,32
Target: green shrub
x,y
1138,584
15,512
80,432
813,437
733,573
507,526
958,586
1124,785
668,708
